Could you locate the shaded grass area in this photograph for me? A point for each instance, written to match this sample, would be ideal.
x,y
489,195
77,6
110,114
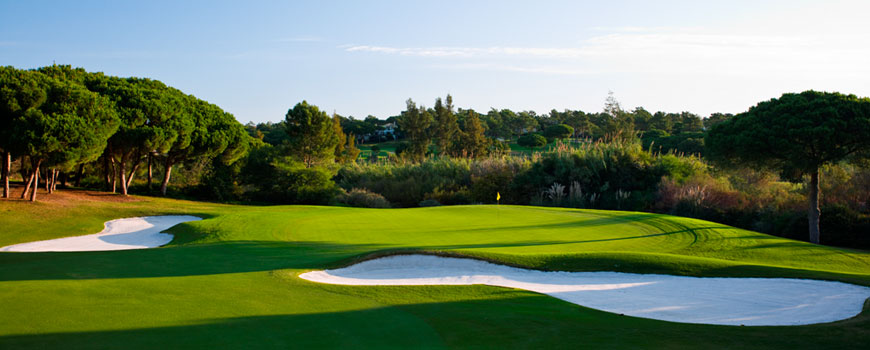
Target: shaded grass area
x,y
229,281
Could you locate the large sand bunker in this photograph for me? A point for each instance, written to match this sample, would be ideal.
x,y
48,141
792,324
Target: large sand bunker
x,y
723,301
121,234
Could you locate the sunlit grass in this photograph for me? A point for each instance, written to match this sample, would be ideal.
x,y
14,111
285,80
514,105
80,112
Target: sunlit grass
x,y
230,281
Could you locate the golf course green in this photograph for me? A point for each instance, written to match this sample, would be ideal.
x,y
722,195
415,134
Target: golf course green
x,y
231,279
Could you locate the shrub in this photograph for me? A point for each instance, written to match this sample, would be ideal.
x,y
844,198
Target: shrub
x,y
405,185
450,196
429,203
532,141
619,174
495,175
360,197
559,131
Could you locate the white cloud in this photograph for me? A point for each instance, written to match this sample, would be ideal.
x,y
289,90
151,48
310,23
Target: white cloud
x,y
544,69
659,51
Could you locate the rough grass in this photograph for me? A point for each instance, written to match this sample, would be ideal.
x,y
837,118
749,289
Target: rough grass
x,y
230,281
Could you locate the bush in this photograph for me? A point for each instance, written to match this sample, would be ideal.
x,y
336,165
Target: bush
x,y
429,203
532,141
558,132
362,198
842,226
495,175
450,196
612,175
405,185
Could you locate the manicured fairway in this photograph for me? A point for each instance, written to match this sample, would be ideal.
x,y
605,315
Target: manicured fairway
x,y
230,281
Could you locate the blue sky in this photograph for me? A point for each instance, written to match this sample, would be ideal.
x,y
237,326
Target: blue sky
x,y
256,59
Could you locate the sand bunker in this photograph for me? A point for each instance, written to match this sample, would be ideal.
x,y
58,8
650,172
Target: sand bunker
x,y
121,234
722,301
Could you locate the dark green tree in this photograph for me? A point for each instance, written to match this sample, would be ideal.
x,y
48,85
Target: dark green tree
x,y
20,93
558,131
312,135
414,122
211,133
532,141
473,143
716,118
71,126
445,126
153,121
795,134
345,149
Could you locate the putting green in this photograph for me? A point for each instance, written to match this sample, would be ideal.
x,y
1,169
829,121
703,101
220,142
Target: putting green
x,y
230,280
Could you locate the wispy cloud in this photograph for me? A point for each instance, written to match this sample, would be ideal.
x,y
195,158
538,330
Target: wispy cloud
x,y
654,51
543,69
470,51
618,45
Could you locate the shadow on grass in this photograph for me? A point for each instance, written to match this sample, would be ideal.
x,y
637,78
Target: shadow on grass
x,y
508,319
200,259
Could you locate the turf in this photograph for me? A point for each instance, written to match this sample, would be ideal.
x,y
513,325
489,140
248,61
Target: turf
x,y
229,281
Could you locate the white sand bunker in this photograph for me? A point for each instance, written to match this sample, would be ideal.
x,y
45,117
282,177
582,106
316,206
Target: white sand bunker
x,y
121,234
723,301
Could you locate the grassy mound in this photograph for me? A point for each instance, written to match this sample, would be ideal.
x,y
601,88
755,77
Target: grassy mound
x,y
230,281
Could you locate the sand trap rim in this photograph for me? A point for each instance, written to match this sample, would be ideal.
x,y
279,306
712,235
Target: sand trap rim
x,y
752,271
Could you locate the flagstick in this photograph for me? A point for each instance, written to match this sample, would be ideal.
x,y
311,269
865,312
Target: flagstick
x,y
498,208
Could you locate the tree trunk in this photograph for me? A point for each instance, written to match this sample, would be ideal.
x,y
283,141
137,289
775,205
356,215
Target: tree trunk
x,y
123,173
150,173
27,186
814,213
55,178
108,172
7,166
114,175
64,177
50,176
132,173
36,165
47,177
166,177
79,173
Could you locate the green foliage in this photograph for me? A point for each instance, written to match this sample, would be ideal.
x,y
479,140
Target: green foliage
x,y
490,176
21,92
796,134
405,185
415,122
532,141
55,123
269,175
472,142
611,175
797,131
558,132
359,197
688,143
445,127
312,135
274,134
294,183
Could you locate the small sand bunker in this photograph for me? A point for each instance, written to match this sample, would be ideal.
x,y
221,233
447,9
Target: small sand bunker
x,y
121,234
722,301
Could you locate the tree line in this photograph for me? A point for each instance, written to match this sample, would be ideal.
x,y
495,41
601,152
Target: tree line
x,y
57,119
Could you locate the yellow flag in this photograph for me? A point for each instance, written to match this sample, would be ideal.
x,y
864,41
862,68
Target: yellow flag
x,y
497,196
